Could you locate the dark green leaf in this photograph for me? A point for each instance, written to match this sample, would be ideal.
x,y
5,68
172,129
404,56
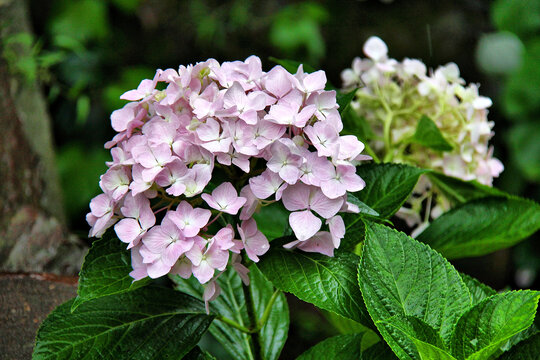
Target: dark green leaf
x,y
364,209
327,282
356,125
482,226
401,278
478,290
428,134
344,325
354,225
460,191
147,323
344,99
354,235
105,270
427,342
198,354
231,304
387,186
272,220
274,334
526,350
345,347
482,330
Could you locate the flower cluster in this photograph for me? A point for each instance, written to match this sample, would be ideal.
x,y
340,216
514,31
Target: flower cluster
x,y
393,96
216,142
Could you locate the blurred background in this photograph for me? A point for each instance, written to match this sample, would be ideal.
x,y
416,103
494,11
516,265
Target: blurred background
x,y
86,53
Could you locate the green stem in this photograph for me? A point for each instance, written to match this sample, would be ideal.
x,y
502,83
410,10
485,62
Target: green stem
x,y
260,324
387,137
234,324
255,336
267,310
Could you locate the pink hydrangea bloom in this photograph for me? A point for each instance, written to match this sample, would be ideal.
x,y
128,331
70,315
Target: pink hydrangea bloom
x,y
256,138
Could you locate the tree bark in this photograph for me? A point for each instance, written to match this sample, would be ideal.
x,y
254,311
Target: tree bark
x,y
33,236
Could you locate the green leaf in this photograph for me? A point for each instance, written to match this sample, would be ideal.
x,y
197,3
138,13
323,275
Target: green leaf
x,y
326,282
357,125
274,334
355,229
526,350
231,304
344,99
148,323
401,278
427,342
460,191
198,354
364,209
387,186
105,270
354,236
292,65
430,352
350,346
481,331
482,226
428,134
478,290
344,325
272,220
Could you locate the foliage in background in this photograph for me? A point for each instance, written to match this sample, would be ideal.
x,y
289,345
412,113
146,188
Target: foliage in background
x,y
512,56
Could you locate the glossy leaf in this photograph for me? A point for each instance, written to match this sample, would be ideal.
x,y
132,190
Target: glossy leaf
x,y
478,290
105,270
460,191
401,278
349,347
482,330
147,323
327,282
387,186
482,226
344,99
231,304
427,342
356,125
526,350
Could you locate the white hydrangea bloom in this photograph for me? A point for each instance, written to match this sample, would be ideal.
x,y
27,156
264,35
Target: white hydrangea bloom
x,y
393,96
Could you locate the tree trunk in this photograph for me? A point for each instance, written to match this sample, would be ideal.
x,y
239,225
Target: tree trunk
x,y
33,236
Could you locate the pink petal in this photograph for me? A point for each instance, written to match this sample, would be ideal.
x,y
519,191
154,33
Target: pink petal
x,y
127,230
296,197
304,224
323,205
315,81
320,243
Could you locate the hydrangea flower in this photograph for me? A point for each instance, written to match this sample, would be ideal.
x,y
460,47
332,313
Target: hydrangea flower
x,y
393,96
200,149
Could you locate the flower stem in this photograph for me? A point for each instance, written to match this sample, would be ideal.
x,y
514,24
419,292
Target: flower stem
x,y
255,336
267,310
234,324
